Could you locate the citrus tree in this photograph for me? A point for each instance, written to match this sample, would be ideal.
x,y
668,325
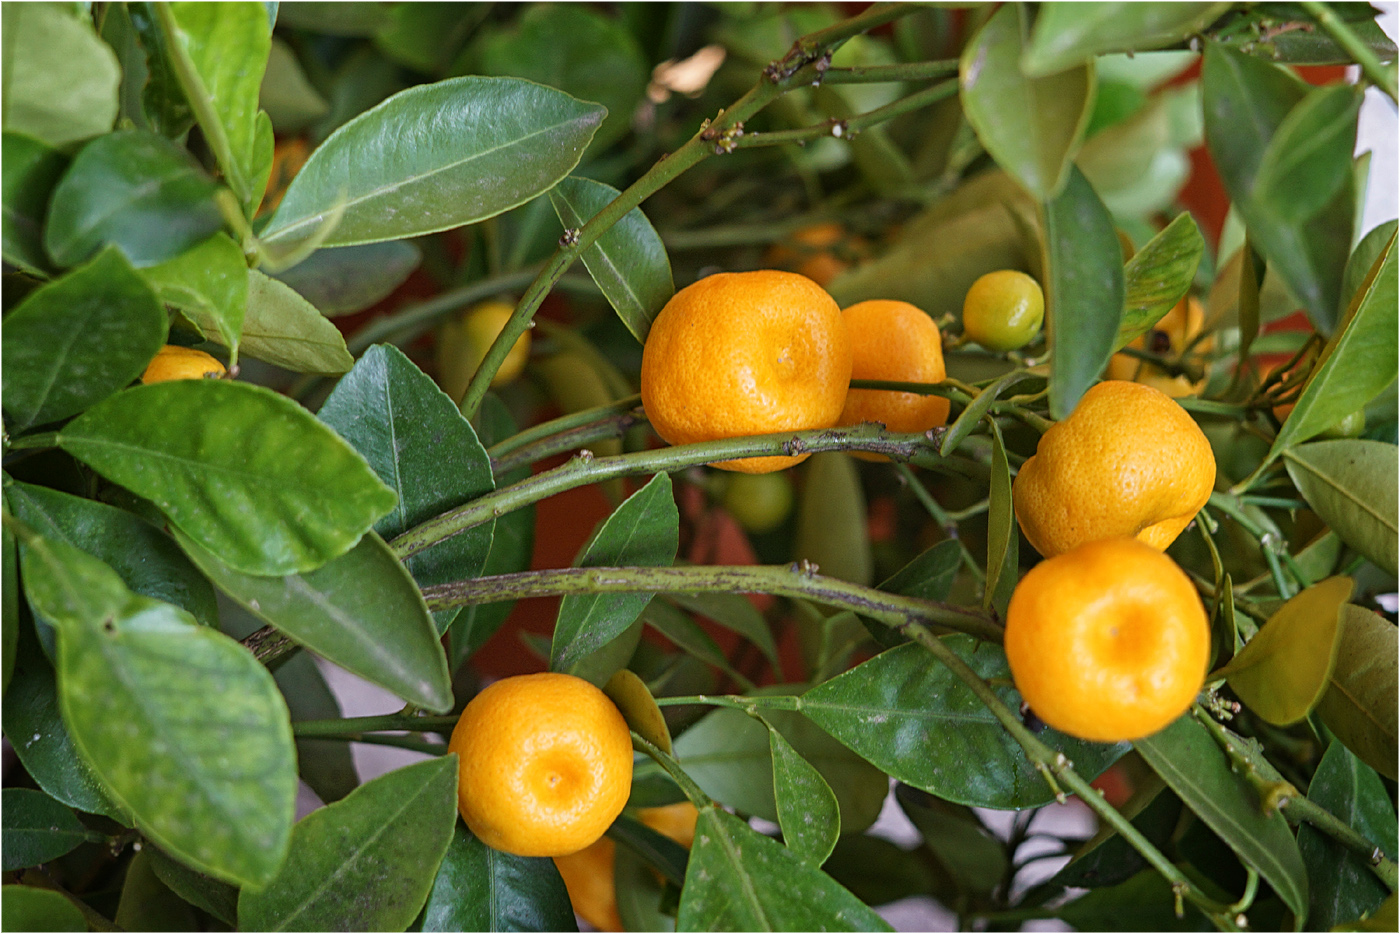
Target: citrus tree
x,y
310,307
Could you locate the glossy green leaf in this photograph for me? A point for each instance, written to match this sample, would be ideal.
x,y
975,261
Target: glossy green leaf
x,y
434,157
366,862
1360,705
1031,126
147,903
976,410
25,908
209,283
59,80
1193,766
1362,258
361,611
1351,486
247,473
182,724
291,101
740,880
1144,902
1000,520
1069,34
344,280
1246,100
325,765
687,635
136,191
1342,886
807,810
734,612
143,556
910,717
832,528
424,450
1084,290
282,328
75,341
628,261
1309,157
930,575
1281,673
31,170
643,532
36,829
1158,276
639,709
481,889
971,853
218,898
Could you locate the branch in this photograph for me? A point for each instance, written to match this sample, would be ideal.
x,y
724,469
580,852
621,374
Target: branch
x,y
1332,24
842,128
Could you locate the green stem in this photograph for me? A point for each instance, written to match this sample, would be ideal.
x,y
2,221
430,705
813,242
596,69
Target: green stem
x,y
941,516
375,739
43,439
611,426
410,319
1332,24
736,702
343,725
562,424
842,128
797,581
906,71
673,769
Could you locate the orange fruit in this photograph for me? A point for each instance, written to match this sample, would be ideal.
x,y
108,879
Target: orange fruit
x,y
462,345
172,362
545,764
1128,461
820,252
590,874
1003,310
898,342
746,353
1169,336
1108,641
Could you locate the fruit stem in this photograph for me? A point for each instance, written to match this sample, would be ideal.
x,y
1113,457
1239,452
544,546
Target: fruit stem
x,y
906,71
374,739
846,127
341,726
673,768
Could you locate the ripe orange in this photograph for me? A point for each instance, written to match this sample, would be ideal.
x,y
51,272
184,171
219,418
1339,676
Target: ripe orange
x,y
746,353
821,252
172,362
545,764
1003,310
1108,641
1128,461
1171,335
462,345
898,342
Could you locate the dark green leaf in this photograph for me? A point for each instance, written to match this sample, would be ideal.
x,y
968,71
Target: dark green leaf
x,y
1309,156
1360,705
325,765
75,341
665,855
218,898
335,19
628,261
344,280
1157,277
1342,886
644,531
434,157
687,635
731,864
424,450
930,575
481,889
209,283
833,531
31,170
164,106
1246,100
972,855
910,716
1068,34
182,724
1144,902
734,612
977,409
247,473
1000,520
59,79
426,36
134,190
147,903
807,810
1362,258
361,611
1193,766
26,908
1084,290
38,829
1351,486
282,328
1031,126
366,862
9,572
288,97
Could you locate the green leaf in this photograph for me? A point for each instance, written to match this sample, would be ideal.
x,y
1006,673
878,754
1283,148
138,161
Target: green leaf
x,y
972,854
1342,886
182,724
147,903
687,635
1193,766
807,810
162,103
77,340
1309,157
434,157
344,280
1281,673
1246,100
26,908
31,170
644,532
1351,486
366,862
1360,704
325,765
291,101
1084,291
282,328
425,36
930,575
228,44
209,283
639,709
731,864
136,191
59,81
247,473
1158,276
976,410
1001,522
481,889
1145,902
205,892
734,612
1069,34
335,19
424,450
38,829
911,718
1031,126
9,594
662,853
361,611
628,261
833,531
1362,258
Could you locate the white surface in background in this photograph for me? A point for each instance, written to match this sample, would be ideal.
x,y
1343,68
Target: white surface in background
x,y
1376,131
